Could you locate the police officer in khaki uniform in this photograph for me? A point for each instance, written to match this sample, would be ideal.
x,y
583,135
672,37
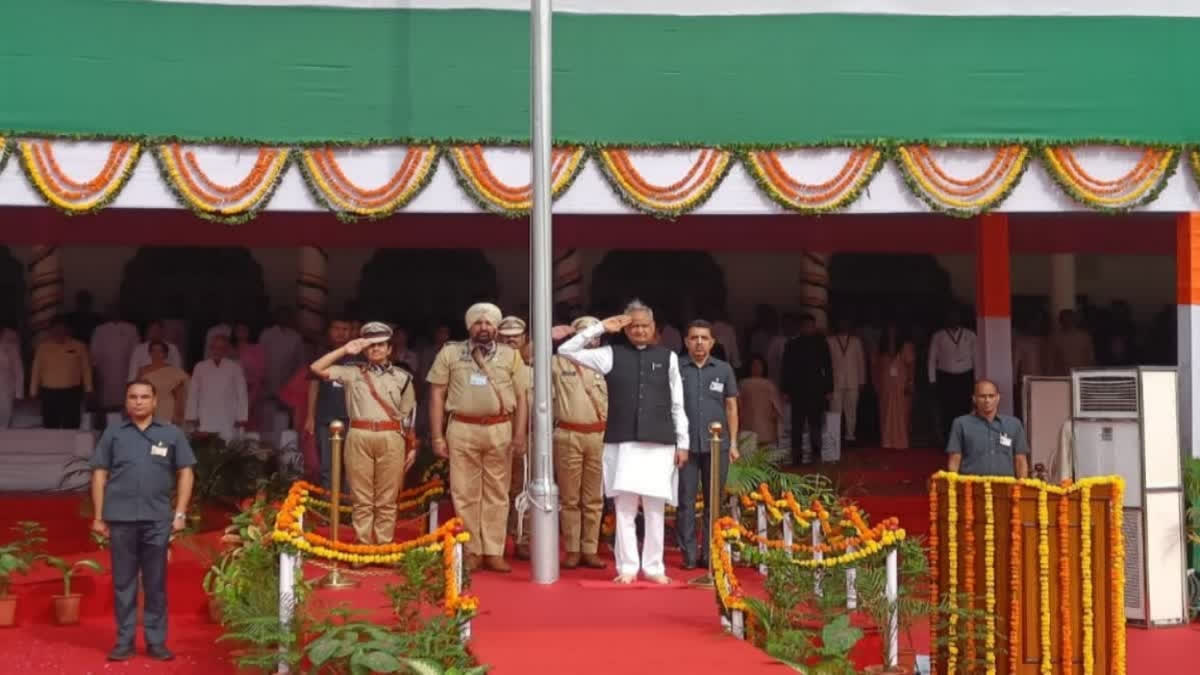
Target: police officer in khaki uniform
x,y
480,385
380,446
580,411
514,333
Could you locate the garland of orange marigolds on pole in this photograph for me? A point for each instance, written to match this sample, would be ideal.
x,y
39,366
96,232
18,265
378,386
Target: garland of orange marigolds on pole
x,y
989,576
210,200
952,582
1117,601
1085,571
1016,552
1066,658
969,566
475,175
934,599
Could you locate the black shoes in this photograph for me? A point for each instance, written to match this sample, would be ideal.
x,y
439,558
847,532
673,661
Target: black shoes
x,y
159,653
121,653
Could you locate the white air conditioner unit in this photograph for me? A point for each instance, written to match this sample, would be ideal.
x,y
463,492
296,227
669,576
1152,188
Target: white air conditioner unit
x,y
1126,422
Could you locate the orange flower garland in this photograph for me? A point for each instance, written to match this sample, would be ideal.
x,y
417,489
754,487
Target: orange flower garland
x,y
493,194
699,182
934,600
1017,553
1066,615
208,199
969,566
41,167
1117,601
1138,186
330,185
962,197
849,182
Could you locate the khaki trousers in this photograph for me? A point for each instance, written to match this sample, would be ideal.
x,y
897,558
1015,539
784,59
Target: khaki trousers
x,y
375,469
480,462
578,459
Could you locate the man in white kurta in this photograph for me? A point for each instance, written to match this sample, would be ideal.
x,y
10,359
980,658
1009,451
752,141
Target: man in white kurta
x,y
849,376
140,357
217,401
636,470
111,346
284,349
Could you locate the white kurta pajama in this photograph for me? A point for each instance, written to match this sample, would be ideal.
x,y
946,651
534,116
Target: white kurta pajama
x,y
111,346
217,397
635,471
849,376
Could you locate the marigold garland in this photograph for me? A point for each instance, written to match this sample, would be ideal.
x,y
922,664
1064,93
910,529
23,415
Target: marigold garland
x,y
209,200
1043,549
1066,615
969,566
1117,536
1139,186
74,197
958,197
989,576
1193,156
933,559
843,189
1017,553
330,186
5,152
952,580
492,194
707,172
1085,572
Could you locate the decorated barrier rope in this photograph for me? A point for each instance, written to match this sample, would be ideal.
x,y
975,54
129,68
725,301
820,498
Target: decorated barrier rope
x,y
783,174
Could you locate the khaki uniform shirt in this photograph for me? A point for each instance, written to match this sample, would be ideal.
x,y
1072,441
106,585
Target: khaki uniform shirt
x,y
60,365
469,390
577,393
394,386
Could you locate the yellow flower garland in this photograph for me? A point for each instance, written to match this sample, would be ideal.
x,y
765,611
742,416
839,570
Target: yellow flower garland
x,y
818,203
986,197
322,179
952,580
1089,197
506,199
686,198
1085,563
1044,619
1117,536
86,201
181,180
989,576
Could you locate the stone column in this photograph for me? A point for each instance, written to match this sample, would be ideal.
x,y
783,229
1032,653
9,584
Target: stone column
x,y
1187,267
45,290
814,287
993,302
1062,284
568,281
312,290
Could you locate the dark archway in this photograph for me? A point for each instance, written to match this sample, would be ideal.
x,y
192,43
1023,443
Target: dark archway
x,y
675,283
912,287
203,285
13,294
415,287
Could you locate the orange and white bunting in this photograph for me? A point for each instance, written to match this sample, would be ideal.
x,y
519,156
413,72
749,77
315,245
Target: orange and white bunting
x,y
768,169
708,167
211,199
337,191
74,194
480,181
1137,186
962,195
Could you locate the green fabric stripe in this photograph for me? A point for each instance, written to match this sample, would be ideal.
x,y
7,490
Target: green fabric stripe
x,y
296,75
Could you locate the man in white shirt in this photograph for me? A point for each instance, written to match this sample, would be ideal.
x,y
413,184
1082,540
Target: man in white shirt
x,y
111,347
952,368
849,376
141,353
217,401
643,447
284,349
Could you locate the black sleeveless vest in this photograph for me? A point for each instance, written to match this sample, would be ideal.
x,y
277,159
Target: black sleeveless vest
x,y
639,396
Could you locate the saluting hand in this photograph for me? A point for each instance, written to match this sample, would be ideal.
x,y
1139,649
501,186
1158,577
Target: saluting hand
x,y
561,333
356,346
615,324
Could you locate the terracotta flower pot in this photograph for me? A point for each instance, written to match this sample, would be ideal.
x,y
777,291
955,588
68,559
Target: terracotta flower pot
x,y
66,609
8,611
884,670
907,660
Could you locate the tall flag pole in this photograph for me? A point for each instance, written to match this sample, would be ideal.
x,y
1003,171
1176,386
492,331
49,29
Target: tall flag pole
x,y
542,490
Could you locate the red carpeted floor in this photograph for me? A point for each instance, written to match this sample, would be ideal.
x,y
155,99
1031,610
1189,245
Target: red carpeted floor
x,y
581,625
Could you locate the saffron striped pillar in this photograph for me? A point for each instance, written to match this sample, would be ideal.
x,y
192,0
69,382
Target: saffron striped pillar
x,y
993,303
312,290
568,280
45,289
1187,268
814,287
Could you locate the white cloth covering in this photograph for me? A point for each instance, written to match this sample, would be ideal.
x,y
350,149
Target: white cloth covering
x,y
111,346
217,397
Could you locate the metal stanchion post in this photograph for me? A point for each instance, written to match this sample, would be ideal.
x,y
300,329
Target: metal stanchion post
x,y
334,579
713,501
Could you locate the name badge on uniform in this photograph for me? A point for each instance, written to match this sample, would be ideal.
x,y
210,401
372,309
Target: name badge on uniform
x,y
717,386
1006,440
478,380
158,450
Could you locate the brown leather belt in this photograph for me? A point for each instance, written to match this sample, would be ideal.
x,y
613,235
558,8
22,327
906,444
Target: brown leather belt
x,y
370,425
589,428
484,421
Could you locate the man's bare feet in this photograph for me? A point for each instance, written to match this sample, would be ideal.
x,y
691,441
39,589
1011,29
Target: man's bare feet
x,y
625,579
659,579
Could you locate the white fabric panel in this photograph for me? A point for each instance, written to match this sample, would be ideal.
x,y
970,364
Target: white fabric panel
x,y
744,7
591,194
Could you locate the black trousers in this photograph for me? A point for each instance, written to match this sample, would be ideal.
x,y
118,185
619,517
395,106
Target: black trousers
x,y
954,396
807,409
694,475
61,408
139,548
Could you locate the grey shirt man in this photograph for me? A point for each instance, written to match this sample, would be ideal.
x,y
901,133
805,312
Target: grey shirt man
x,y
988,448
705,389
141,469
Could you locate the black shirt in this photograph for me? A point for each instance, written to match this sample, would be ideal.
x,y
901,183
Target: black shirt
x,y
141,469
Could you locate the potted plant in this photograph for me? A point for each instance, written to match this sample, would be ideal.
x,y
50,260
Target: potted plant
x,y
66,606
12,562
909,607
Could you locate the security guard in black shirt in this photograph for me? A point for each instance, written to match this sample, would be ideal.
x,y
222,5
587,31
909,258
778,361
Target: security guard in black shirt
x,y
132,472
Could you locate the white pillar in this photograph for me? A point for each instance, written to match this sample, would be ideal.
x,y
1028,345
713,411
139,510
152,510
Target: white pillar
x,y
287,598
893,595
1187,268
1062,284
761,511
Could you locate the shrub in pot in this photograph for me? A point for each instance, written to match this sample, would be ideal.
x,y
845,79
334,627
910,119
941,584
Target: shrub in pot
x,y
66,606
12,562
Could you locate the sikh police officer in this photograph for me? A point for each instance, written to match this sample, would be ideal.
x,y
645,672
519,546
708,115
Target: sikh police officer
x,y
580,410
514,333
380,446
480,386
132,471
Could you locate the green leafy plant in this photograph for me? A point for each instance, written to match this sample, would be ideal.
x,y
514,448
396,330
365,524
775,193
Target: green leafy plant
x,y
956,609
68,569
911,604
12,563
30,540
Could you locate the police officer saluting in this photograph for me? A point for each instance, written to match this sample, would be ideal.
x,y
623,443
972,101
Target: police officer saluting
x,y
380,447
132,471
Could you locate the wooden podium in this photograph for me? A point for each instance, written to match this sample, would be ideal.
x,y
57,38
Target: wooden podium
x,y
1040,608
